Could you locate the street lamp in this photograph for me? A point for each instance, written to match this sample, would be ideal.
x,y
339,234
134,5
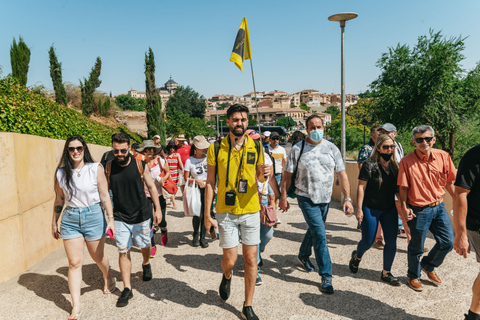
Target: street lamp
x,y
342,17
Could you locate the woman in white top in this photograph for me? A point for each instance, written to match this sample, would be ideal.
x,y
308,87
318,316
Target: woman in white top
x,y
81,185
196,171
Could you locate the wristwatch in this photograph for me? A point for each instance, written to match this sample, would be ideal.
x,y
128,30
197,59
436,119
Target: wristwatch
x,y
347,199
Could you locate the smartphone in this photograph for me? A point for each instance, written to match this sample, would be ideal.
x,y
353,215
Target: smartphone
x,y
110,233
213,234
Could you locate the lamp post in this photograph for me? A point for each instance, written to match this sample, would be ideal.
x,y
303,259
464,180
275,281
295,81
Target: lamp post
x,y
216,109
364,123
342,17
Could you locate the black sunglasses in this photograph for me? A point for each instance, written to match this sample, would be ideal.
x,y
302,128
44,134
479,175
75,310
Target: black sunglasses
x,y
72,149
123,151
275,138
427,139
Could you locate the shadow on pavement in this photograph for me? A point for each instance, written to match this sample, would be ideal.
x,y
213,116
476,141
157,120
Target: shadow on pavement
x,y
181,293
209,262
356,308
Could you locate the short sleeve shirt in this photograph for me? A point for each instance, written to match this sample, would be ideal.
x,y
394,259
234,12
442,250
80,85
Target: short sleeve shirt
x,y
365,151
244,202
184,152
378,196
315,169
197,168
425,178
278,154
468,177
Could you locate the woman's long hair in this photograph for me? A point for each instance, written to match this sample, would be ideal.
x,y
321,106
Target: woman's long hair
x,y
66,162
297,136
375,158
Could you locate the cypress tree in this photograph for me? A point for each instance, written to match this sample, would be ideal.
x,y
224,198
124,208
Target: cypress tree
x,y
19,59
88,88
105,106
56,75
155,116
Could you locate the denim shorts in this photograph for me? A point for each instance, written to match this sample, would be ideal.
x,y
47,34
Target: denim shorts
x,y
230,225
87,222
140,232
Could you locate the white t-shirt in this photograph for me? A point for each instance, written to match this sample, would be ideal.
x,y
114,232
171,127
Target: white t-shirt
x,y
315,169
278,154
263,186
155,173
85,189
197,168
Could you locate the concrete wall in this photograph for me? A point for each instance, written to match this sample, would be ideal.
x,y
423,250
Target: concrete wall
x,y
352,172
27,167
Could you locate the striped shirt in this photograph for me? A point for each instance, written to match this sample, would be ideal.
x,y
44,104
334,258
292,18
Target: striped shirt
x,y
174,167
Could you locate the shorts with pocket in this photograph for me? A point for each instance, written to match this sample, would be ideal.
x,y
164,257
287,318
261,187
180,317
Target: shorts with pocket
x,y
140,232
87,222
231,226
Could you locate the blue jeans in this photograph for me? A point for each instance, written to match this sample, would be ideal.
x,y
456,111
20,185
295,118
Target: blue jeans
x,y
437,221
266,234
388,220
315,216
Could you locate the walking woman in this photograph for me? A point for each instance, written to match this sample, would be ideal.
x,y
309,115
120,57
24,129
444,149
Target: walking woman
x,y
176,166
196,171
377,185
81,185
160,173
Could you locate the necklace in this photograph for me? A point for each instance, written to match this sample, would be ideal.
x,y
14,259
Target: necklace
x,y
79,170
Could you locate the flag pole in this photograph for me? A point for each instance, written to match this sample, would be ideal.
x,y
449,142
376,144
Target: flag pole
x,y
256,105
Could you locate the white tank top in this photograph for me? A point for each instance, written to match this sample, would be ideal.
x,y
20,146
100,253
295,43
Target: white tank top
x,y
85,190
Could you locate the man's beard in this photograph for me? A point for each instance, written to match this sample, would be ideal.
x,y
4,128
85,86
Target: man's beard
x,y
122,162
238,133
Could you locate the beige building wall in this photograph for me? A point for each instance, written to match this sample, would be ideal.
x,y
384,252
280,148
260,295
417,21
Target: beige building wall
x,y
352,172
27,167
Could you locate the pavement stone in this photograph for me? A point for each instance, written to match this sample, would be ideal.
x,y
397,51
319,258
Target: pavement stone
x,y
186,280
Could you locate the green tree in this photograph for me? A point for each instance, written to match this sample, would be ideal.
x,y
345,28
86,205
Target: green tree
x,y
180,123
188,101
286,122
88,87
155,116
20,59
222,106
126,102
334,111
426,85
56,75
104,107
251,121
353,133
303,106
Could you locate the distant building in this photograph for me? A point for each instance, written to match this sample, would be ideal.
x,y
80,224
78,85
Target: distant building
x,y
137,94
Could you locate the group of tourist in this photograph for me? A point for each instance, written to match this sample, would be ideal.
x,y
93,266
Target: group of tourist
x,y
125,197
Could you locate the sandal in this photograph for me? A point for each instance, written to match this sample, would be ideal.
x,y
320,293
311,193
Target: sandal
x,y
113,288
74,317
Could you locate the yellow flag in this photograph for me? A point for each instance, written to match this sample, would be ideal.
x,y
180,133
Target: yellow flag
x,y
241,48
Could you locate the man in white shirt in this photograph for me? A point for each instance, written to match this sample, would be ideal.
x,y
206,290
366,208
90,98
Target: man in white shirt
x,y
279,156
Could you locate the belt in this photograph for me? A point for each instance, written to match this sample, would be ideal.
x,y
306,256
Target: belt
x,y
278,174
433,204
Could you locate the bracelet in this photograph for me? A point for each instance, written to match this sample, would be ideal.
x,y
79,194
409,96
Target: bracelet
x,y
110,216
347,199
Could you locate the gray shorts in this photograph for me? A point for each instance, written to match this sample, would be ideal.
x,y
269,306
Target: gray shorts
x,y
231,225
474,239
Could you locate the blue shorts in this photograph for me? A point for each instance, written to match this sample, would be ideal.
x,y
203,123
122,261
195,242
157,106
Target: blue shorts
x,y
140,233
87,222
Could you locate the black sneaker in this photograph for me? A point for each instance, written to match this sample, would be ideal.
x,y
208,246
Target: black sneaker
x,y
248,314
354,262
390,279
307,265
204,243
147,272
126,295
196,242
224,289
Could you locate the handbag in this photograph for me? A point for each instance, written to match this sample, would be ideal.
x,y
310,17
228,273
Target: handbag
x,y
168,185
268,216
291,189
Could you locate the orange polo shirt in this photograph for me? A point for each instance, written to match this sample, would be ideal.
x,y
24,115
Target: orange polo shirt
x,y
424,177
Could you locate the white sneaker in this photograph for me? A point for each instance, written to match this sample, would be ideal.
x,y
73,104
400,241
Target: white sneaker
x,y
278,221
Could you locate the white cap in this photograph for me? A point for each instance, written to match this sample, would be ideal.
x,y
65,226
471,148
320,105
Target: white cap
x,y
156,136
267,133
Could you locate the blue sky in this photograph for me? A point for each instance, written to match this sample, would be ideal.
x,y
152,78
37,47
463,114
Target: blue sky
x,y
294,46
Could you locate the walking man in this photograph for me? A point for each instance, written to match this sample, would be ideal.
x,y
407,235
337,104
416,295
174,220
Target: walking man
x,y
315,160
279,156
466,214
238,159
126,177
423,176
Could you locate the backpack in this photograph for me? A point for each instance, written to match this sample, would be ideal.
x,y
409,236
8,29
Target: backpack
x,y
108,170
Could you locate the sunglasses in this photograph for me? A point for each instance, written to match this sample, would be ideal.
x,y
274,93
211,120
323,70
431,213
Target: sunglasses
x,y
392,146
276,138
123,151
72,149
420,140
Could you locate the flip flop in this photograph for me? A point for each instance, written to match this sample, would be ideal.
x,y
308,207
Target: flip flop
x,y
75,317
105,291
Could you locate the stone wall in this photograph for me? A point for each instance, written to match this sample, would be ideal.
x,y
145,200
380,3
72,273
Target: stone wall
x,y
27,167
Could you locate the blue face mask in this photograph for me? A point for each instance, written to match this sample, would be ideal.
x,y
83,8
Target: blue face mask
x,y
316,135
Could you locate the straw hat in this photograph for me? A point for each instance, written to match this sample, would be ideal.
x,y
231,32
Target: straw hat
x,y
200,142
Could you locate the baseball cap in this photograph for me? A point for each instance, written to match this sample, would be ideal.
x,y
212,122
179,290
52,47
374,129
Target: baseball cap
x,y
389,127
274,134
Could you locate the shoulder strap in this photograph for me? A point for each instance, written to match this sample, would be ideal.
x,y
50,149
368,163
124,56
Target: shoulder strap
x,y
140,167
108,170
216,148
301,151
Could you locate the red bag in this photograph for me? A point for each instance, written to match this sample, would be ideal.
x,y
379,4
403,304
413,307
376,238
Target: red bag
x,y
168,185
268,216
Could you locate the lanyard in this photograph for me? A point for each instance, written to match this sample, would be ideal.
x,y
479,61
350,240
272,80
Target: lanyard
x,y
228,162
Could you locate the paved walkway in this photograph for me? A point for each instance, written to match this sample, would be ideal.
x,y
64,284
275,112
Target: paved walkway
x,y
186,280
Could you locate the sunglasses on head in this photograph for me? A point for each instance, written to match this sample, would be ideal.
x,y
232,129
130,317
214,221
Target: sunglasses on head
x,y
72,149
123,151
392,146
427,139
